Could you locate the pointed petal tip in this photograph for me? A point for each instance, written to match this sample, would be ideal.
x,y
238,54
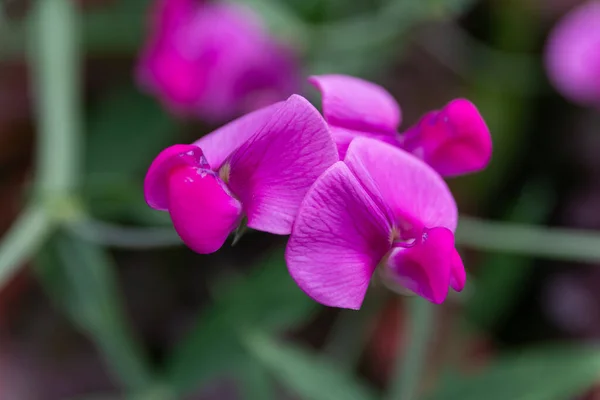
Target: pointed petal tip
x,y
156,180
202,210
458,277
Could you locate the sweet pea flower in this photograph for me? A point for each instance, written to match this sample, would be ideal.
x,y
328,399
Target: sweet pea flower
x,y
380,207
454,140
573,55
213,60
257,168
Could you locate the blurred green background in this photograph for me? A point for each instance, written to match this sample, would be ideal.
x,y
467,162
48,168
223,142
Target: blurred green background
x,y
100,300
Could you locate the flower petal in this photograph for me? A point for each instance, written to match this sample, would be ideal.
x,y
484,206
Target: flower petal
x,y
219,144
408,185
454,141
274,169
356,104
339,237
425,267
204,213
458,275
156,182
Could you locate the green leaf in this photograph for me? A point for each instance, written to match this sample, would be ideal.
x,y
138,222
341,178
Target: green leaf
x,y
255,382
126,131
22,240
267,299
552,373
79,277
309,376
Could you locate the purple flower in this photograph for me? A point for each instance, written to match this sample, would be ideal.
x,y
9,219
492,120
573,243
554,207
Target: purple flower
x,y
573,55
259,167
380,207
213,60
454,140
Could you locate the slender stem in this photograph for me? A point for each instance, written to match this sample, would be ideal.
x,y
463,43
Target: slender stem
x,y
555,243
107,234
351,330
412,356
25,236
54,61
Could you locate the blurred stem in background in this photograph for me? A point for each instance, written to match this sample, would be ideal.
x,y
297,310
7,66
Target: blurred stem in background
x,y
412,350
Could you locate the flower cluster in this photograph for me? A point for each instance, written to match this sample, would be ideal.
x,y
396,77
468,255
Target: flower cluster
x,y
573,55
353,193
213,60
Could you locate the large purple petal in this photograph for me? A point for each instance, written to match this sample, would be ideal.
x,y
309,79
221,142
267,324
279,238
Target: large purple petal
x,y
411,188
356,104
339,237
274,169
221,143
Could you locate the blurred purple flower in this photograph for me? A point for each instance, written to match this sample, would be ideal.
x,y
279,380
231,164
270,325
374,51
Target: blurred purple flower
x,y
259,167
213,60
573,55
454,140
383,207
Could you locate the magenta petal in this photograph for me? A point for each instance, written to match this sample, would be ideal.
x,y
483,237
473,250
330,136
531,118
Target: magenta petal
x,y
339,237
356,104
458,276
204,213
156,182
425,267
410,187
454,141
219,145
274,169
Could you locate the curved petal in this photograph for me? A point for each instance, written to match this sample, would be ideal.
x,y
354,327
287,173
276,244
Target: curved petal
x,y
356,104
219,144
274,169
458,276
339,237
203,211
157,177
454,140
425,267
408,185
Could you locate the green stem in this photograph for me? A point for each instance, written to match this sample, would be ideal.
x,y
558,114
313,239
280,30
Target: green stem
x,y
111,235
351,330
54,62
554,243
412,356
25,236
